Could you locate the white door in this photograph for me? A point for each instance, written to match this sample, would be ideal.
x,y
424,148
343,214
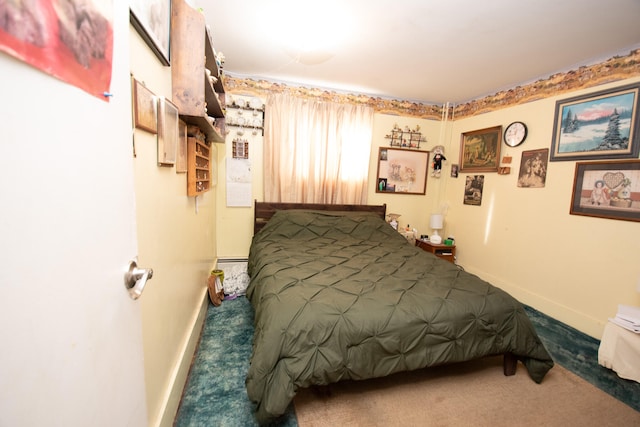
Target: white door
x,y
70,334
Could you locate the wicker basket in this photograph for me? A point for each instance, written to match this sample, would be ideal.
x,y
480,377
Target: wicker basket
x,y
621,203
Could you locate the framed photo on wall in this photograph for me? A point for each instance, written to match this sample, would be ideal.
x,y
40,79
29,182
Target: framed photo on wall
x,y
607,189
152,20
480,150
533,168
402,171
168,131
144,108
601,125
473,188
181,158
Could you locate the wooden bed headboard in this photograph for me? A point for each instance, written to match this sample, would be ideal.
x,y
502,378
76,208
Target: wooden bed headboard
x,y
265,210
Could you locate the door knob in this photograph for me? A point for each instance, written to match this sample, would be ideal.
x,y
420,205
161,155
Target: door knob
x,y
136,278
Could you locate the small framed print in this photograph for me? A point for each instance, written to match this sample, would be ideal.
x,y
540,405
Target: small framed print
x,y
144,108
533,168
473,188
181,159
167,132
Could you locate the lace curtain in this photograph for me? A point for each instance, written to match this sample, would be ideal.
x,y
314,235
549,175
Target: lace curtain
x,y
316,151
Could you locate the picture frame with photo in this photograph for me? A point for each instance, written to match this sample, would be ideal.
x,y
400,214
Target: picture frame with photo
x,y
168,121
402,171
181,158
152,20
533,168
473,188
145,115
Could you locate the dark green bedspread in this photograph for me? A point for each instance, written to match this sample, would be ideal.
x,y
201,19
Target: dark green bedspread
x,y
344,296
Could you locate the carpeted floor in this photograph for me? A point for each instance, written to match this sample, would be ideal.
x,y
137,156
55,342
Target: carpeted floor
x,y
472,393
215,393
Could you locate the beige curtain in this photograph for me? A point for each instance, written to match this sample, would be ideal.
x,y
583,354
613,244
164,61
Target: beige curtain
x,y
316,151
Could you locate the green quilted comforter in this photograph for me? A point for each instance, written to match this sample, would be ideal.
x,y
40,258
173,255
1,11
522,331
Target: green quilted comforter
x,y
344,296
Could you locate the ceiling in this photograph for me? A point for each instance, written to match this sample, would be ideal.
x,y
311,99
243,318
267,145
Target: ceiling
x,y
419,50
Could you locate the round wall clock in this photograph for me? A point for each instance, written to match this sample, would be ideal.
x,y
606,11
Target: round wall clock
x,y
515,134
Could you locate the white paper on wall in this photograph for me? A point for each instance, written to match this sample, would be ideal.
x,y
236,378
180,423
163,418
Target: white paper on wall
x,y
238,182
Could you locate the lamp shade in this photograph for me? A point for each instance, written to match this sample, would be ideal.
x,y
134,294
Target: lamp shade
x,y
435,222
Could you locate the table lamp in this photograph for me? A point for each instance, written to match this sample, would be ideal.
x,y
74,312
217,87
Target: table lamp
x,y
435,222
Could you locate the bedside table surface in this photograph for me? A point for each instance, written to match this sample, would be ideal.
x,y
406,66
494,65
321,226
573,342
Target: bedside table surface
x,y
434,245
446,252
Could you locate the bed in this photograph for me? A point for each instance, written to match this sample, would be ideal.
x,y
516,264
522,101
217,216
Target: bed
x,y
339,294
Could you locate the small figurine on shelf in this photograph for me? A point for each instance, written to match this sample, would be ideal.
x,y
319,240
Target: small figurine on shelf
x,y
438,158
393,220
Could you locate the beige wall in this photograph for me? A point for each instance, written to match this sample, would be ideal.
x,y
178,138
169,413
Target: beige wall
x,y
176,236
236,223
576,269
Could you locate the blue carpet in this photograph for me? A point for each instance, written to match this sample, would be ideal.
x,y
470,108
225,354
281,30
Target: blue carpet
x,y
215,394
578,353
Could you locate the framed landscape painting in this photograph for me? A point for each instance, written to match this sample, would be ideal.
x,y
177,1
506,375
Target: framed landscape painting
x,y
601,125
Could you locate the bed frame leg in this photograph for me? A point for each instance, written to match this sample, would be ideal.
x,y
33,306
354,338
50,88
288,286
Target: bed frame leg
x,y
509,364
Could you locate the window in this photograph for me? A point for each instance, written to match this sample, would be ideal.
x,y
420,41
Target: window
x,y
316,151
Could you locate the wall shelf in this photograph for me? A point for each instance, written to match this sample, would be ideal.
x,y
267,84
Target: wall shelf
x,y
405,138
198,90
198,167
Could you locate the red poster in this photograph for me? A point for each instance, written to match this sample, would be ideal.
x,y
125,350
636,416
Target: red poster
x,y
69,39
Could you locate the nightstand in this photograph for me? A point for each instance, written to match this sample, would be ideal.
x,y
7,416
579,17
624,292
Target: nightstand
x,y
446,252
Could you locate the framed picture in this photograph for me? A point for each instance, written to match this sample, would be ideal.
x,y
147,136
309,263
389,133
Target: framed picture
x,y
402,171
607,189
480,150
533,168
181,159
144,108
152,20
167,132
473,190
601,125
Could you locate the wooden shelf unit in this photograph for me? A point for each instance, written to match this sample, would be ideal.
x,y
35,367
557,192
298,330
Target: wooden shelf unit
x,y
198,167
405,138
199,101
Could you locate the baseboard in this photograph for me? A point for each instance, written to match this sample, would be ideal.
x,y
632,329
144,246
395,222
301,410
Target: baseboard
x,y
181,372
567,315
